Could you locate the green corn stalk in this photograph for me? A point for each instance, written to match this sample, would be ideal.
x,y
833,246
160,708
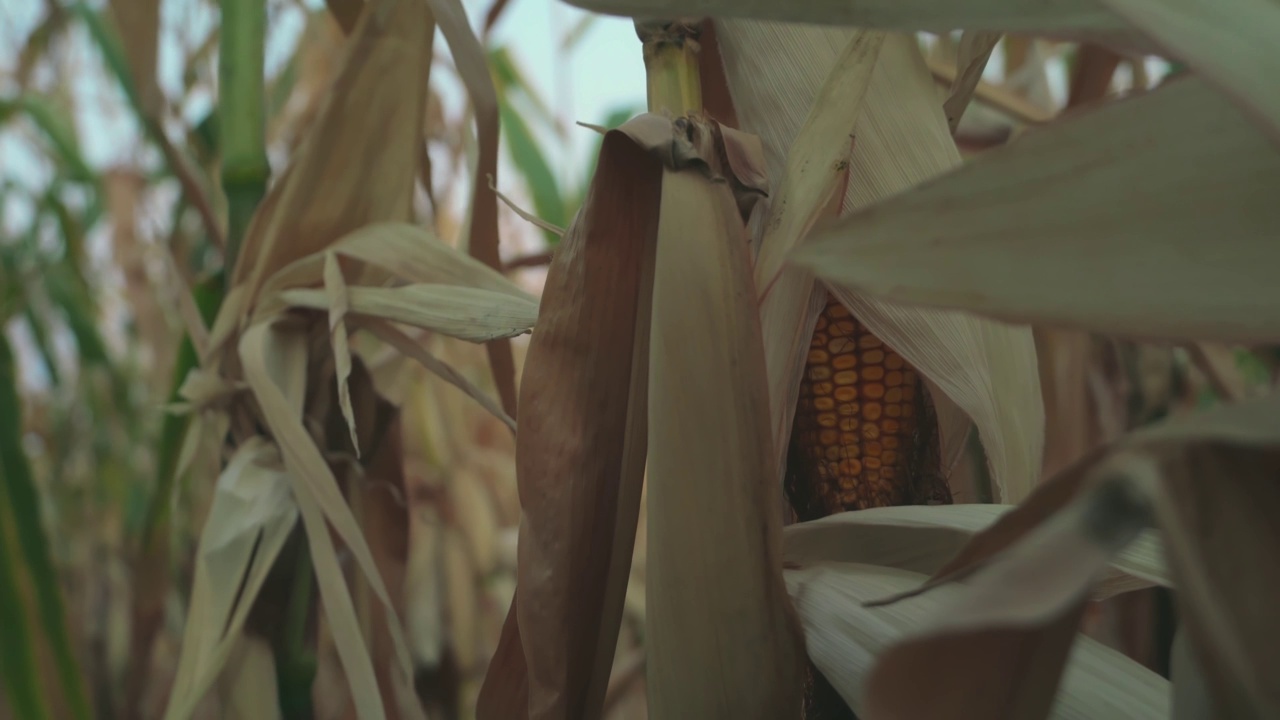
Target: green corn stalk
x,y
242,115
21,505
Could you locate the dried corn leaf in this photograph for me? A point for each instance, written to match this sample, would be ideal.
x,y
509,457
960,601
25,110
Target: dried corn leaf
x,y
1018,232
1211,532
924,539
720,637
251,517
335,287
406,252
1018,613
470,60
1074,19
461,312
985,368
274,362
352,168
1229,44
975,49
409,347
844,638
581,452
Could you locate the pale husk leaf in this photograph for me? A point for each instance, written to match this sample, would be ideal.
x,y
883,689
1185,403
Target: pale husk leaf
x,y
924,539
1017,233
819,156
989,370
251,517
975,49
1075,19
844,638
460,312
720,638
1230,44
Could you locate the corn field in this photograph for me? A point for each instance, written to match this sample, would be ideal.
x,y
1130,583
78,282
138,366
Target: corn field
x,y
887,360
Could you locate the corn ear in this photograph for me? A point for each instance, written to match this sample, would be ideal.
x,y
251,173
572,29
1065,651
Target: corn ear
x,y
989,370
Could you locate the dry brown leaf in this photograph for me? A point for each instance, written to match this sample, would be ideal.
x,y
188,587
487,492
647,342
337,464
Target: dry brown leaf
x,y
1212,533
138,22
351,168
844,637
580,455
721,639
470,60
991,237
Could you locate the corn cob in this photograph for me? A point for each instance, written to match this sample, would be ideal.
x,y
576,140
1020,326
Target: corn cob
x,y
865,434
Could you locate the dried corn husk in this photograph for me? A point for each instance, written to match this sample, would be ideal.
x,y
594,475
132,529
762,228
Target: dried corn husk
x,y
720,637
1019,233
844,638
1156,473
985,368
926,539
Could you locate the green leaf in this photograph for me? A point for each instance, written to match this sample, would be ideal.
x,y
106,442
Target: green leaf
x,y
20,495
548,203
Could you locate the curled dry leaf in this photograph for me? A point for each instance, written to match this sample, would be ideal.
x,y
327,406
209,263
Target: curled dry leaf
x,y
1018,613
926,539
470,60
251,517
1016,233
461,312
844,638
987,369
1217,537
580,454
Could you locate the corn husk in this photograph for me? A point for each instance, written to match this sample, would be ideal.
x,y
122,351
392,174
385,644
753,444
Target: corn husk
x,y
580,456
986,369
845,637
926,539
1078,519
991,237
720,637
